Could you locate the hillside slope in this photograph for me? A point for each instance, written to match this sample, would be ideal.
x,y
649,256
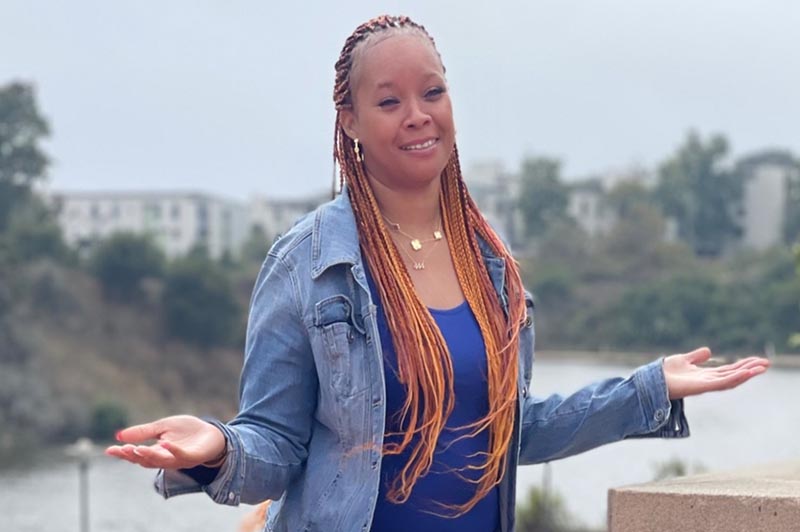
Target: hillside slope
x,y
64,350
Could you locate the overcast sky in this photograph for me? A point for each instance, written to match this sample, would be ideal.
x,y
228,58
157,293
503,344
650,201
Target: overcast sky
x,y
234,97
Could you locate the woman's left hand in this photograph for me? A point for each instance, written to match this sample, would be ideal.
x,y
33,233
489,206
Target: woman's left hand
x,y
684,377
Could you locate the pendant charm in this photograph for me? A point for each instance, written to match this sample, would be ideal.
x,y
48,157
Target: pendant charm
x,y
419,265
437,235
416,244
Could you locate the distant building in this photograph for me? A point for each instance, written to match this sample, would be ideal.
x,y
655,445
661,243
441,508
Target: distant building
x,y
496,193
765,201
178,221
587,206
275,216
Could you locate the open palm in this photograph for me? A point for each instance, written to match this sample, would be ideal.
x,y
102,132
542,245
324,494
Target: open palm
x,y
685,376
181,442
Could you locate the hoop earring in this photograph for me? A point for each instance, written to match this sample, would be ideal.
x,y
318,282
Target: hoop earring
x,y
359,155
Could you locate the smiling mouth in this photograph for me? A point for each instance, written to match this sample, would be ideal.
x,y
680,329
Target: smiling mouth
x,y
421,146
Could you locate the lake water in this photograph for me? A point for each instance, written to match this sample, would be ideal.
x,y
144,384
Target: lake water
x,y
754,424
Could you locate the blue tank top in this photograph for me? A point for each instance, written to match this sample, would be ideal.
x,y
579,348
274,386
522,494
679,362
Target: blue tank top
x,y
443,483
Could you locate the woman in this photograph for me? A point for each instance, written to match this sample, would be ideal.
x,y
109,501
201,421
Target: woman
x,y
390,341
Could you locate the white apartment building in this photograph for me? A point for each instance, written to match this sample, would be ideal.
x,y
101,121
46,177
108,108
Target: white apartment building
x,y
275,216
496,192
587,206
764,204
178,221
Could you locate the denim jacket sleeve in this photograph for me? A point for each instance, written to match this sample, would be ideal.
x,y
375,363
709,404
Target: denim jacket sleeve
x,y
267,441
603,412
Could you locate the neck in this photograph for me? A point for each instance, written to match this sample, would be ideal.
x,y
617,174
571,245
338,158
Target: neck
x,y
415,209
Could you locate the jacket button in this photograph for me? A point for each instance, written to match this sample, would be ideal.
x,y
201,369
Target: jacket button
x,y
660,415
528,321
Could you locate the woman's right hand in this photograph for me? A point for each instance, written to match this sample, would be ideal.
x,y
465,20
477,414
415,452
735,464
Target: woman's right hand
x,y
181,442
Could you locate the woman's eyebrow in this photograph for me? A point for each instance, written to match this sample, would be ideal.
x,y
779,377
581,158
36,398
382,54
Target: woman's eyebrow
x,y
388,84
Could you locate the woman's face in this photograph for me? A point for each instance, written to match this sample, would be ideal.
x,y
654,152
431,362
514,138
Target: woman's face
x,y
401,115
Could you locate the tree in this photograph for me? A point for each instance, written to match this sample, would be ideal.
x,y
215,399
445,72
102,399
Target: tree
x,y
22,161
625,196
543,512
32,233
638,233
543,198
704,198
256,245
122,261
794,339
791,224
199,302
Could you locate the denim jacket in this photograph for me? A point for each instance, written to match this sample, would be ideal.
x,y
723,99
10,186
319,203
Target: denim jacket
x,y
311,422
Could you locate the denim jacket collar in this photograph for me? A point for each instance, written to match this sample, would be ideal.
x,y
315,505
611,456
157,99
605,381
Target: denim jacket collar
x,y
334,239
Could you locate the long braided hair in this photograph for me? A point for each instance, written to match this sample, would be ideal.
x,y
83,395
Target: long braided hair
x,y
424,365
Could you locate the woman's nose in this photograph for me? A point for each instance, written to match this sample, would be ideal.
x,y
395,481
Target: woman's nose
x,y
417,116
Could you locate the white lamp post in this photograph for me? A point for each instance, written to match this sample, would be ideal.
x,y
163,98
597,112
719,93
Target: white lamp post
x,y
82,450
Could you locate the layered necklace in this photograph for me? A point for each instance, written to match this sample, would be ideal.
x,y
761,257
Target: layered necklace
x,y
417,244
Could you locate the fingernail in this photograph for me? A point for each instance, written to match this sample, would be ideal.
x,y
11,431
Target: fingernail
x,y
136,452
117,435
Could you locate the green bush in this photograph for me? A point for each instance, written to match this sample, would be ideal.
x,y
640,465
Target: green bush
x,y
199,303
542,511
123,261
107,418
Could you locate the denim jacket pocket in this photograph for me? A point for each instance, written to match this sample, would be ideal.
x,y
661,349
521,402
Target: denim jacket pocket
x,y
340,339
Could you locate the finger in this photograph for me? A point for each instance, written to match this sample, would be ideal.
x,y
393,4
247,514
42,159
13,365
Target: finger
x,y
178,452
735,379
140,433
126,453
738,364
152,459
699,355
115,451
743,362
748,365
154,453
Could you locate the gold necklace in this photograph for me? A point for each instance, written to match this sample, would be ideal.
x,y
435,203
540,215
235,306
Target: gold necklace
x,y
416,243
419,263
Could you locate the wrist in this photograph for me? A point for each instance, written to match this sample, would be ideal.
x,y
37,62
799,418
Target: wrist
x,y
218,460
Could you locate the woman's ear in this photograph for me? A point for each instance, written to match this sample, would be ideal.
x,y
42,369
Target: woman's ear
x,y
349,123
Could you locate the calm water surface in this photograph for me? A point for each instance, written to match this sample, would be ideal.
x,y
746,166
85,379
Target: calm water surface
x,y
754,424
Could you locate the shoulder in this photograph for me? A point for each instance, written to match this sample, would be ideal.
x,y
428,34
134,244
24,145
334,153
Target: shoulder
x,y
298,237
324,236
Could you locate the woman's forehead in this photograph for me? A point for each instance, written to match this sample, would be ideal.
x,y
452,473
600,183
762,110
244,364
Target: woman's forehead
x,y
395,57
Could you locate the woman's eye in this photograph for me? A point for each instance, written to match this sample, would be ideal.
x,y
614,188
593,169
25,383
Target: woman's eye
x,y
388,102
436,91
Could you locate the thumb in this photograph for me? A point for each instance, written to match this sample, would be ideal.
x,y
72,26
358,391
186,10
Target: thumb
x,y
699,355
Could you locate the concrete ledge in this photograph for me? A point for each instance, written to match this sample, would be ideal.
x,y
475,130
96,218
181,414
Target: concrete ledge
x,y
763,498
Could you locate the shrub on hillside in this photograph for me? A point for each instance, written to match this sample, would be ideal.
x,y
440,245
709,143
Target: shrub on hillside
x,y
199,303
123,261
543,511
32,233
107,418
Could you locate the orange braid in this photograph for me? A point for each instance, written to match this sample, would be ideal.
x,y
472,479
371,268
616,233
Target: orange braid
x,y
424,365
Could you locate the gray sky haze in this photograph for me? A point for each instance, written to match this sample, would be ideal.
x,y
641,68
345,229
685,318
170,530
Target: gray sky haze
x,y
234,97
